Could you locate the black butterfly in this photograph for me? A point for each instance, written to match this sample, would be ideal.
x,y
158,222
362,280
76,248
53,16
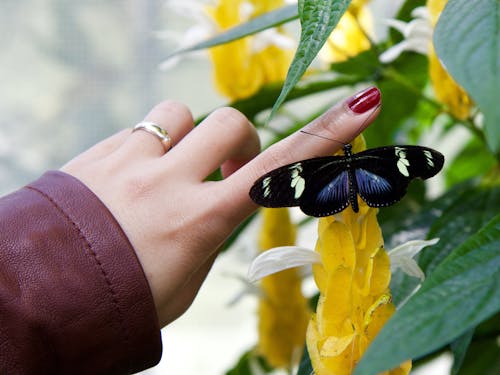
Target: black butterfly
x,y
326,185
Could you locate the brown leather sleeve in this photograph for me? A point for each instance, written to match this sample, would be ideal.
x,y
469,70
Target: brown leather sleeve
x,y
73,296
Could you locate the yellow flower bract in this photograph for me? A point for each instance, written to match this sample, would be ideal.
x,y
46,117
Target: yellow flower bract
x,y
349,39
283,310
239,69
353,279
447,91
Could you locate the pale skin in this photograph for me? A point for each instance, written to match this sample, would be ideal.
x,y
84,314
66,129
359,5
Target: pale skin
x,y
176,221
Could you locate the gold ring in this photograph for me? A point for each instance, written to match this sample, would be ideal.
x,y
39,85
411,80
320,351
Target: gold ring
x,y
157,131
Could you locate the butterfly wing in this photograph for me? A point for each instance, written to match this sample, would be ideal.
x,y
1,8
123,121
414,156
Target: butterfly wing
x,y
327,193
319,186
383,174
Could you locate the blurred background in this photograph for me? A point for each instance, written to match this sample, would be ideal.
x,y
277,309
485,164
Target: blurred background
x,y
75,72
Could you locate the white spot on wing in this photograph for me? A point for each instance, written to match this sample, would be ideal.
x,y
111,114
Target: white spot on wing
x,y
428,157
265,185
403,162
297,182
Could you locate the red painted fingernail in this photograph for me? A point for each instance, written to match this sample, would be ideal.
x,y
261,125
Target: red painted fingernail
x,y
364,100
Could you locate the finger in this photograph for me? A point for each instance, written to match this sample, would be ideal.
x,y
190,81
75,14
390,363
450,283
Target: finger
x,y
328,133
231,166
225,134
341,123
175,118
100,150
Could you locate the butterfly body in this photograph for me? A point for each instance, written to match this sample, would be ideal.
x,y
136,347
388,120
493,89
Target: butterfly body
x,y
326,185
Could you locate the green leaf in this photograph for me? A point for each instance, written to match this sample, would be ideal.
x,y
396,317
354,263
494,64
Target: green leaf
x,y
305,366
466,213
467,41
318,18
364,64
270,19
461,212
473,161
247,363
463,291
459,349
483,357
401,86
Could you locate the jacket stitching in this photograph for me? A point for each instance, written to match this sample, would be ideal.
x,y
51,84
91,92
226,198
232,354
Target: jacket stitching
x,y
95,257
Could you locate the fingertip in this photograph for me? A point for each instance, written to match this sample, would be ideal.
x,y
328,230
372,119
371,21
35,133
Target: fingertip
x,y
364,100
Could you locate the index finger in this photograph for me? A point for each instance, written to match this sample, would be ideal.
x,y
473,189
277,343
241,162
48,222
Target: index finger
x,y
335,128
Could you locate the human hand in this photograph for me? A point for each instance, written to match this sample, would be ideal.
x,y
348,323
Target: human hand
x,y
174,219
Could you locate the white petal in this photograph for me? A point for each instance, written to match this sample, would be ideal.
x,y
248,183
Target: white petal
x,y
279,259
411,268
397,24
411,248
189,9
170,63
246,10
418,44
271,37
393,53
418,28
190,37
402,256
421,12
417,33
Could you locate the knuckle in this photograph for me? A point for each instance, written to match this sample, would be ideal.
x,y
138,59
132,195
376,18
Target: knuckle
x,y
236,129
230,117
170,107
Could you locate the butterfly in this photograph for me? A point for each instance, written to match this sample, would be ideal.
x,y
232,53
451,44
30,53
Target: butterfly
x,y
326,185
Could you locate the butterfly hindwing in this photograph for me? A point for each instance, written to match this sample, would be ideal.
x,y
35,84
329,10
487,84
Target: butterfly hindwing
x,y
383,174
307,184
328,193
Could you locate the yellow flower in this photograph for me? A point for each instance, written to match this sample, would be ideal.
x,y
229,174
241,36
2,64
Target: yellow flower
x,y
418,38
242,67
348,38
353,279
435,7
446,89
283,310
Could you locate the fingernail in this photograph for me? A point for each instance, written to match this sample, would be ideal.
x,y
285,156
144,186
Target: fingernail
x,y
364,100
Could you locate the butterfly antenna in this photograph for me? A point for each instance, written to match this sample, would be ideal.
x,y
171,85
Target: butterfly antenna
x,y
370,117
323,137
362,126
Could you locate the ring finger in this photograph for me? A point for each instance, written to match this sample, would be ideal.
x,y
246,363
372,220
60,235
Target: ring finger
x,y
173,117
